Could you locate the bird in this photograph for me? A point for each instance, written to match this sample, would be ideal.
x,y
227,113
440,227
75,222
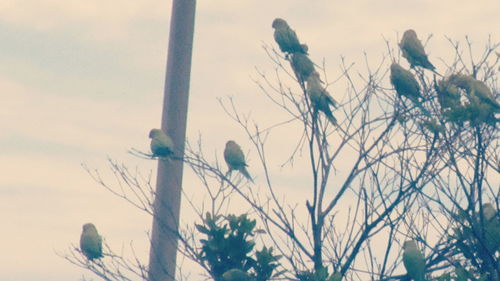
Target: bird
x,y
448,94
475,89
319,97
161,144
413,50
492,234
302,66
484,93
91,242
337,276
488,211
287,38
490,224
413,261
406,85
236,275
482,105
235,159
404,82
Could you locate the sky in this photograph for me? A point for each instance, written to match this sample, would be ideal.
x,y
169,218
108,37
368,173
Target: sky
x,y
81,81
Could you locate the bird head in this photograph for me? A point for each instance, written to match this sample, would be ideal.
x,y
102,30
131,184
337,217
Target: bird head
x,y
235,274
154,132
313,77
488,211
461,80
305,48
230,143
89,227
410,33
395,68
279,23
410,244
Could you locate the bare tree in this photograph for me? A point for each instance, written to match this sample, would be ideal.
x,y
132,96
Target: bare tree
x,y
384,170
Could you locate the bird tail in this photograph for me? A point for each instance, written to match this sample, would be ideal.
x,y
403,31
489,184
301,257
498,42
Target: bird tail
x,y
245,173
427,64
330,117
435,72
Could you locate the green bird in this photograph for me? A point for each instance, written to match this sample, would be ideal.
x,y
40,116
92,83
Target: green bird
x,y
235,159
482,104
491,227
488,211
320,98
404,82
161,144
413,50
236,275
337,276
492,234
413,261
302,66
483,92
286,38
448,94
477,90
91,242
406,85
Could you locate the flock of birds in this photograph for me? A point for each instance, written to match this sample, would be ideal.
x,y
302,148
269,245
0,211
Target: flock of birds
x,y
303,67
449,89
162,147
413,259
405,84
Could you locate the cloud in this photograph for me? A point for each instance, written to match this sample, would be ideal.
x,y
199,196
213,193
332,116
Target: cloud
x,y
82,123
80,80
109,18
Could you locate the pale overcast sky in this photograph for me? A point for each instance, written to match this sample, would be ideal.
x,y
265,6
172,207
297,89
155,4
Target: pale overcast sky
x,y
83,80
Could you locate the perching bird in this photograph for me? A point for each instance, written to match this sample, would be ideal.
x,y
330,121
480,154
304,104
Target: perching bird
x,y
482,104
480,91
337,276
488,211
492,234
474,88
469,100
319,97
236,275
302,66
91,242
161,144
413,261
286,38
235,159
448,93
404,82
413,50
491,227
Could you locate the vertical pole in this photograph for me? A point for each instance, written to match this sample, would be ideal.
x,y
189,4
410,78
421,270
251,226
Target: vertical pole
x,y
162,254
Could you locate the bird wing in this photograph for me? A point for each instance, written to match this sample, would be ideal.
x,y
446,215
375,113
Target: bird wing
x,y
414,263
234,157
405,84
293,40
287,40
484,93
302,66
414,51
329,99
415,47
